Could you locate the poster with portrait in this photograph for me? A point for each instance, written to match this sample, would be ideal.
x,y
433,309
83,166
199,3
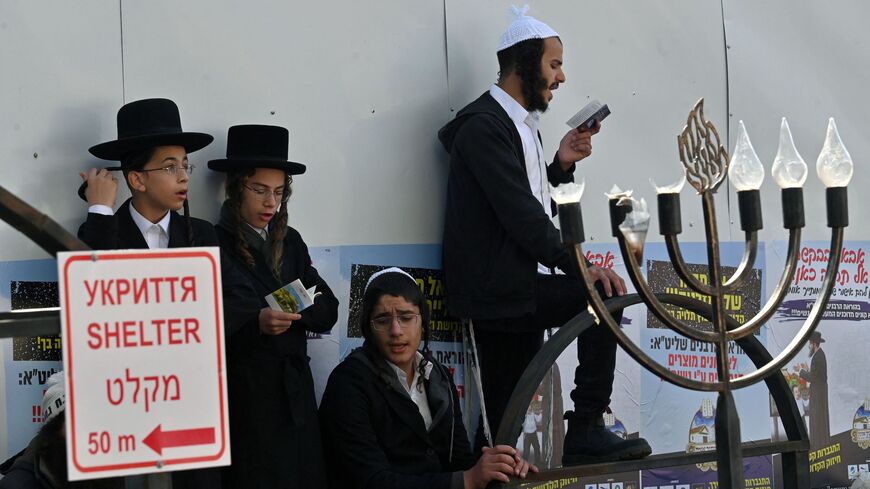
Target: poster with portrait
x,y
828,375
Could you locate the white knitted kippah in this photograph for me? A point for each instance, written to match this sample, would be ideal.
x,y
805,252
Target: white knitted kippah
x,y
524,27
389,270
54,399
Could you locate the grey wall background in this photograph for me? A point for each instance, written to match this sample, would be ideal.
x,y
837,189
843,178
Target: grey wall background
x,y
364,86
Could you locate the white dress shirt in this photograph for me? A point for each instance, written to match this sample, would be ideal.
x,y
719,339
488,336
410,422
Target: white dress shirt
x,y
536,168
418,394
530,424
155,234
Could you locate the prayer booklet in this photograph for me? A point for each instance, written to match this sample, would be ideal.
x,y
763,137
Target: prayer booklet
x,y
293,297
588,115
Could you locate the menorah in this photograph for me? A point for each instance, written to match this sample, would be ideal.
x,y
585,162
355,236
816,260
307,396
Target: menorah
x,y
706,164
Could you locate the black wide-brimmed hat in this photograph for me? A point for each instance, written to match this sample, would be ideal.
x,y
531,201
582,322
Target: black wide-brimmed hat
x,y
816,337
148,123
257,146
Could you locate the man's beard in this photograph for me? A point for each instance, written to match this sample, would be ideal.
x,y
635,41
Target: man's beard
x,y
534,85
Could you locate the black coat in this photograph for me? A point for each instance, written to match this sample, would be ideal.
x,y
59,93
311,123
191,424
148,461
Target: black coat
x,y
273,409
495,230
374,435
119,231
820,430
20,471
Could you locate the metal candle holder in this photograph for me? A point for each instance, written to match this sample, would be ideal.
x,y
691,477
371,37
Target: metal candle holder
x,y
706,163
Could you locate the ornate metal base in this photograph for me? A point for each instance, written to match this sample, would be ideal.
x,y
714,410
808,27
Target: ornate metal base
x,y
795,460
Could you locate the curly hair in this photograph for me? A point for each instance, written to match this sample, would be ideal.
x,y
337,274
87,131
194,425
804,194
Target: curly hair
x,y
278,225
524,59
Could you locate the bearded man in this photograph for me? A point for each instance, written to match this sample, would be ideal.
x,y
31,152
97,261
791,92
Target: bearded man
x,y
501,250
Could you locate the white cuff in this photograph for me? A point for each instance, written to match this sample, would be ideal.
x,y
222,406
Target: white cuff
x,y
101,209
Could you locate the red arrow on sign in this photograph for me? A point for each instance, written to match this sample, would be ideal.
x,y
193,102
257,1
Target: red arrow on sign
x,y
158,439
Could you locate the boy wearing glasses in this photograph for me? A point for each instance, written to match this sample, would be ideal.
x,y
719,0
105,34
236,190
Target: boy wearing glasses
x,y
152,149
273,410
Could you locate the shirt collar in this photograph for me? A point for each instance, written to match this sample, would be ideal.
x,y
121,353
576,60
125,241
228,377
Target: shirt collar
x,y
403,379
144,224
263,232
514,110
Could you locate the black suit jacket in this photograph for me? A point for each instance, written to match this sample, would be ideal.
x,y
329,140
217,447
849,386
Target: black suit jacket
x,y
375,437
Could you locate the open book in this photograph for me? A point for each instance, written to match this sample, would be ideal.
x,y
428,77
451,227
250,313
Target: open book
x,y
293,297
588,115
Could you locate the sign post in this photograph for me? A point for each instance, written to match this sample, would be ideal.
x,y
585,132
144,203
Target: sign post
x,y
143,349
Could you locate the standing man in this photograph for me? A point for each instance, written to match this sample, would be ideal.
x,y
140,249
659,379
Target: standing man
x,y
817,376
501,248
530,434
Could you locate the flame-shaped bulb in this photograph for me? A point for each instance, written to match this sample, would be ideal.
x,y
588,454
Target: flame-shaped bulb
x,y
789,169
673,188
834,165
745,170
567,193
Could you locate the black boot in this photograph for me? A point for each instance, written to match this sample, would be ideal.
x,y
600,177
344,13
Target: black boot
x,y
589,441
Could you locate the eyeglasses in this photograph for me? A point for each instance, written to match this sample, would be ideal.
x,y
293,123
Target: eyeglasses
x,y
263,193
173,170
383,323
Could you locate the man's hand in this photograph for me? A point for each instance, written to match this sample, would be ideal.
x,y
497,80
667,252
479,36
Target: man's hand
x,y
522,466
609,279
102,187
274,322
496,463
576,145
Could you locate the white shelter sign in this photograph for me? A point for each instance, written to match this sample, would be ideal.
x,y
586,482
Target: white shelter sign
x,y
143,350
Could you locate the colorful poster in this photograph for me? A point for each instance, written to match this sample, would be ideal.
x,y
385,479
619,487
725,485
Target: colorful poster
x,y
828,375
27,362
674,419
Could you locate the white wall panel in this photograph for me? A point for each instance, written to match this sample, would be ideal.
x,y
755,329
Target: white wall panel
x,y
361,87
59,90
806,61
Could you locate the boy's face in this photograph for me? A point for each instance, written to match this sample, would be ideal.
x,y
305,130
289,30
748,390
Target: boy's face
x,y
160,188
398,343
260,196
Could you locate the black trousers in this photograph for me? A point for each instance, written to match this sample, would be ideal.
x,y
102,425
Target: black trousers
x,y
506,347
530,441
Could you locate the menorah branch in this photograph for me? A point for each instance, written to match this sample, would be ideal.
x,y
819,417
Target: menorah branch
x,y
656,307
810,323
766,312
747,263
679,263
597,304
